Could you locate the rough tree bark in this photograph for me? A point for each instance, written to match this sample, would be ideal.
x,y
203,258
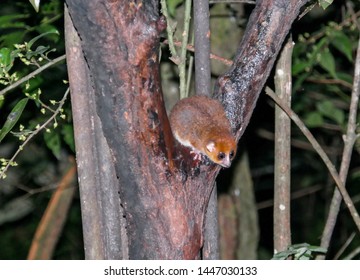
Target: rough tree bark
x,y
164,193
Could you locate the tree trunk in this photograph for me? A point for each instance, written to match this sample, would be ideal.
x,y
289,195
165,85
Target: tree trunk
x,y
164,194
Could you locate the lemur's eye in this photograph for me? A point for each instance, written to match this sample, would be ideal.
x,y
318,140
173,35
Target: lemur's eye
x,y
231,154
221,156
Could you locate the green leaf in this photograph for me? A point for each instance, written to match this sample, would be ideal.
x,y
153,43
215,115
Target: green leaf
x,y
300,66
53,142
342,43
13,117
314,119
35,4
317,249
40,50
325,3
33,40
13,21
172,5
44,28
327,62
5,56
12,38
328,109
68,134
338,116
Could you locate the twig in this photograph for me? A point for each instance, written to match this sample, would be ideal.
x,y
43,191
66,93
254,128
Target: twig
x,y
32,74
304,145
330,82
352,254
191,48
322,154
349,141
344,246
34,133
190,70
294,195
202,44
184,42
169,28
340,26
353,15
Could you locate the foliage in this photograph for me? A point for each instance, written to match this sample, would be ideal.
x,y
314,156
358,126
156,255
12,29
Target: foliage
x,y
317,58
302,251
33,102
323,69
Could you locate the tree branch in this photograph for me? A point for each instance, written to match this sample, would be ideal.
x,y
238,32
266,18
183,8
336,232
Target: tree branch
x,y
32,74
203,87
349,141
202,44
282,190
322,154
265,32
103,222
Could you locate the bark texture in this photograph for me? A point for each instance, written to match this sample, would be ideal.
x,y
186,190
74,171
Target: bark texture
x,y
102,216
164,198
240,86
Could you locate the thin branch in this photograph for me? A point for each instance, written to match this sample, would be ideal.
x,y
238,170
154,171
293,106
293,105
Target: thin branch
x,y
330,82
352,254
32,74
353,15
191,48
345,245
349,141
201,37
34,133
282,229
322,154
340,26
202,44
169,29
296,143
294,195
184,42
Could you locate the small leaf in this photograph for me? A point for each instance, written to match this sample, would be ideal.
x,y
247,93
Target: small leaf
x,y
68,133
12,38
314,119
172,4
327,62
13,21
300,66
13,117
325,3
53,142
317,249
33,40
328,109
5,57
342,43
338,116
35,4
39,50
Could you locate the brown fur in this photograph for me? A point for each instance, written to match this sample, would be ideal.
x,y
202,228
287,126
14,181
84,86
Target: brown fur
x,y
198,121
